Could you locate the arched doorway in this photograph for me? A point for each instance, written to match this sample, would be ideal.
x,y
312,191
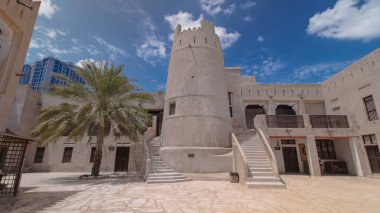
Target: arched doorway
x,y
285,110
250,112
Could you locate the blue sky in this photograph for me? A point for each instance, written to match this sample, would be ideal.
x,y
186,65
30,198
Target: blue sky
x,y
294,41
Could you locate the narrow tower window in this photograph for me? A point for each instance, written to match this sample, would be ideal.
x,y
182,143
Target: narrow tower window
x,y
180,42
194,39
206,40
230,102
172,107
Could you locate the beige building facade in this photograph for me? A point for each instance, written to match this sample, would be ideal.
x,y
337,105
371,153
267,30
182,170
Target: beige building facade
x,y
16,26
213,119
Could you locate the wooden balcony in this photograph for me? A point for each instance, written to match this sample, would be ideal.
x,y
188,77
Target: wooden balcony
x,y
317,121
329,121
285,121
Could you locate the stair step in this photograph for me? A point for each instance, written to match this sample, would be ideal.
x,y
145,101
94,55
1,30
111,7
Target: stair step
x,y
162,170
259,162
257,158
262,170
169,181
159,167
262,173
255,155
266,185
255,165
265,179
167,178
165,174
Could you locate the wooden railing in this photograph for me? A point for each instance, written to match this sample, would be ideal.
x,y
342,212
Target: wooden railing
x,y
285,121
329,121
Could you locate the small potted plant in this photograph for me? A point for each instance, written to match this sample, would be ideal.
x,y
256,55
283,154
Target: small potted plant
x,y
234,177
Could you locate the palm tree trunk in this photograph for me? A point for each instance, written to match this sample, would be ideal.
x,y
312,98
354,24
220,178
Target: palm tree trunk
x,y
98,152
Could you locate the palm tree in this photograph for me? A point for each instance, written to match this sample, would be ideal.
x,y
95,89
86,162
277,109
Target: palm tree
x,y
107,98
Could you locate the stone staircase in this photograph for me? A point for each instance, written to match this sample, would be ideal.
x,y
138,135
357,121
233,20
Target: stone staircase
x,y
259,163
160,172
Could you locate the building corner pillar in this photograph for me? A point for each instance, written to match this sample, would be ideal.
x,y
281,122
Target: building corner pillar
x,y
312,156
302,109
271,109
359,157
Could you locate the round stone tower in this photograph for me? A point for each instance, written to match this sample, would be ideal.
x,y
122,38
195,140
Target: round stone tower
x,y
196,125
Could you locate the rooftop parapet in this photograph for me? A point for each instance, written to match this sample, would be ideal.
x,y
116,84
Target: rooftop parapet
x,y
204,36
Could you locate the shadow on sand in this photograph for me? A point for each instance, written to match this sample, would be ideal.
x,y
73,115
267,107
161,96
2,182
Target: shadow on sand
x,y
32,201
29,200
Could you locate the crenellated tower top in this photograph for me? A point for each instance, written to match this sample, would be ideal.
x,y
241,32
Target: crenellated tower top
x,y
203,36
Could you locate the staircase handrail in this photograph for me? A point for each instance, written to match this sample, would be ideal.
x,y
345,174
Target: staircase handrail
x,y
269,151
239,153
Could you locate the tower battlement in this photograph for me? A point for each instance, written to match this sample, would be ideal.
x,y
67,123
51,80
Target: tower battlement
x,y
203,36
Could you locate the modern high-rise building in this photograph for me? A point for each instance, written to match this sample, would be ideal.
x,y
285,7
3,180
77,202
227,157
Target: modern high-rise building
x,y
25,76
42,73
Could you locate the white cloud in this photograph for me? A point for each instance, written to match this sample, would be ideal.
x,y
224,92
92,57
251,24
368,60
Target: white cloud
x,y
112,50
47,9
148,46
324,70
260,39
248,5
267,67
34,44
81,63
247,18
61,44
226,38
53,33
348,19
151,50
230,9
212,7
186,20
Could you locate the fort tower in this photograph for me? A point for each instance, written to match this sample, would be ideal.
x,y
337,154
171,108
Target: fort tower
x,y
197,124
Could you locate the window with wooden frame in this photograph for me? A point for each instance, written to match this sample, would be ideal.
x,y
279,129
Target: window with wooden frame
x,y
325,149
92,157
172,107
39,156
67,154
371,108
369,139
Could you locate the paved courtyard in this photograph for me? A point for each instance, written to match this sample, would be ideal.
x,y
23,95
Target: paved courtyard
x,y
63,192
